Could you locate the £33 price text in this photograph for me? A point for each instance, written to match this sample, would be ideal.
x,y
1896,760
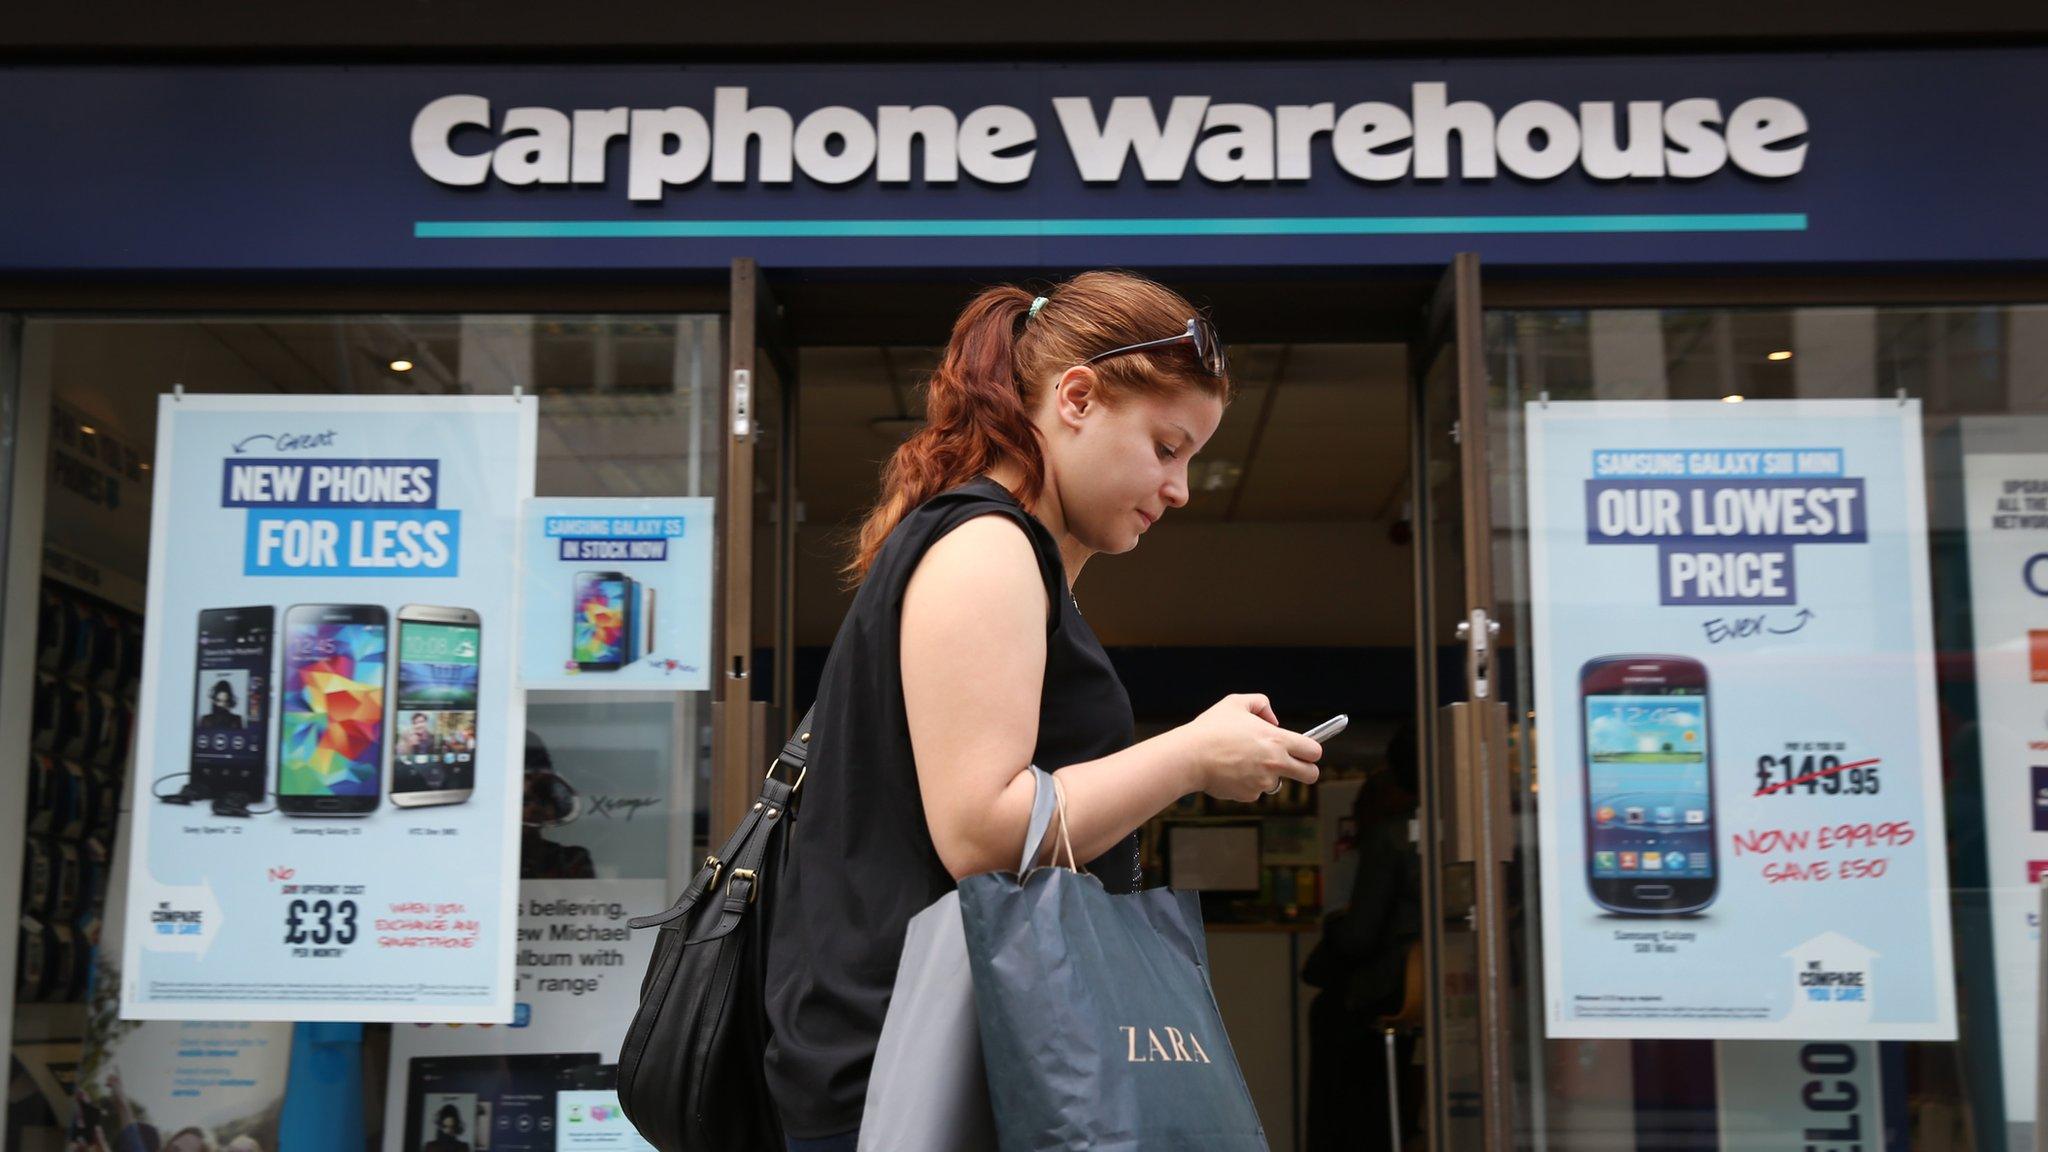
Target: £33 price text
x,y
319,922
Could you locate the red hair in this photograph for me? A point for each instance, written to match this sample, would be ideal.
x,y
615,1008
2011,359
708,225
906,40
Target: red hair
x,y
997,363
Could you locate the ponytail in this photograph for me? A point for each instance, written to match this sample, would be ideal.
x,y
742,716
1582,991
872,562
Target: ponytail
x,y
974,419
978,404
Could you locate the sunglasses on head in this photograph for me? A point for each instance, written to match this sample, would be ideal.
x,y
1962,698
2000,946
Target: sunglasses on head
x,y
1201,335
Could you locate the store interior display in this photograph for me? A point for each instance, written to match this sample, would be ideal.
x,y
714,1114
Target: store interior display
x,y
88,666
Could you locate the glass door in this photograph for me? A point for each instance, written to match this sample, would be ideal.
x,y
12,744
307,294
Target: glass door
x,y
1464,835
757,525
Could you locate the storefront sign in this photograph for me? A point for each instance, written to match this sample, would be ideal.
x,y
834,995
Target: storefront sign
x,y
1741,778
2005,494
1780,158
617,594
325,814
1223,143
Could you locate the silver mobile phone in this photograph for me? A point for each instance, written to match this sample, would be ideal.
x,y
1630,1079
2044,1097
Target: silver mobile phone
x,y
1328,728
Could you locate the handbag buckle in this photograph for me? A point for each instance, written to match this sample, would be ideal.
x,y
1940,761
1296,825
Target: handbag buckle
x,y
712,863
753,885
799,776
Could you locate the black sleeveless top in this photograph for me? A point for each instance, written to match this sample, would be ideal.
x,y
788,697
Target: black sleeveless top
x,y
861,861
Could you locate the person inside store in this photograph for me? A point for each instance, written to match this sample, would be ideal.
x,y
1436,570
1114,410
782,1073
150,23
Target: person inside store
x,y
225,711
1363,967
448,1130
1058,426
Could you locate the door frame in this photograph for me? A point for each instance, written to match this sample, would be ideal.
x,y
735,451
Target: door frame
x,y
1462,744
744,720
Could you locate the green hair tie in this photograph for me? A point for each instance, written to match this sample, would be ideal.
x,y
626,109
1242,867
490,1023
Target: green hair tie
x,y
1035,306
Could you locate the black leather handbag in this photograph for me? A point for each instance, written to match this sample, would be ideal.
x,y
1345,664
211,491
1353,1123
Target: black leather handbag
x,y
690,1069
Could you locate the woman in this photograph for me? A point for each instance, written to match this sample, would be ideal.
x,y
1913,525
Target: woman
x,y
1057,427
1361,965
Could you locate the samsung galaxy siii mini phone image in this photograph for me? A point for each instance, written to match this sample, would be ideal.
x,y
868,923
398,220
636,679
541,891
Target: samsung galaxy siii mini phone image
x,y
1649,781
231,703
330,746
433,740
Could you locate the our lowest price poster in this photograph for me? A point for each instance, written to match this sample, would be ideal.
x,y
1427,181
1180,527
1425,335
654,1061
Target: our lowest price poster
x,y
1738,760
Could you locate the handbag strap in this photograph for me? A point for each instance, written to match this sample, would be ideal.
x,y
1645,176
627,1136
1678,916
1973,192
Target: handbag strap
x,y
796,751
740,860
1049,797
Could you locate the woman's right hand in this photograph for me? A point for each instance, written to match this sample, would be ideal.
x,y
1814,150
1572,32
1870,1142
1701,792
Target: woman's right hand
x,y
1238,751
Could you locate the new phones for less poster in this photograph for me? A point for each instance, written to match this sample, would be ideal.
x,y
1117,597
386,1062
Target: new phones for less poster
x,y
1738,760
617,594
326,807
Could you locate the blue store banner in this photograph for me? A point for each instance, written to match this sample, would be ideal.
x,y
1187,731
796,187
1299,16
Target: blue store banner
x,y
1840,158
1738,756
330,741
617,594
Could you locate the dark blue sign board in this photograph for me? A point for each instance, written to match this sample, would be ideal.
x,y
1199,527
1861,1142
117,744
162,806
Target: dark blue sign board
x,y
1791,160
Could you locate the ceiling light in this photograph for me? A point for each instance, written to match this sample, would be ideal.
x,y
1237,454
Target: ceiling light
x,y
87,429
1780,354
1732,398
1214,475
401,365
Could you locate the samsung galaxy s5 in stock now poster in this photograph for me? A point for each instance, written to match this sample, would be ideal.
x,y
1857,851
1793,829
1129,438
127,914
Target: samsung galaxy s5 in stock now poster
x,y
326,792
617,594
1739,771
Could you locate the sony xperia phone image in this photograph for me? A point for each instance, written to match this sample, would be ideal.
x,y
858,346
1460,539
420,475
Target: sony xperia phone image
x,y
602,621
1649,780
330,746
433,739
231,703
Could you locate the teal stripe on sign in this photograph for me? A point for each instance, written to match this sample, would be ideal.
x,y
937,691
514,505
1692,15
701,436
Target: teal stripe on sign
x,y
1210,226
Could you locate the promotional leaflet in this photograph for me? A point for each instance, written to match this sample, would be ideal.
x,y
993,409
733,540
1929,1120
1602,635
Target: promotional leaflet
x,y
329,733
595,828
617,594
2005,496
1739,761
